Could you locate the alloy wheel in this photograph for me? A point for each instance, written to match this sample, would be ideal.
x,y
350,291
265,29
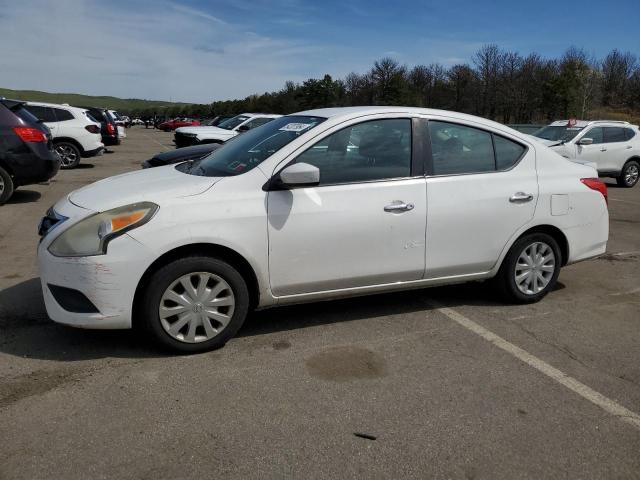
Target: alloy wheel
x,y
196,307
1,185
535,268
631,174
67,155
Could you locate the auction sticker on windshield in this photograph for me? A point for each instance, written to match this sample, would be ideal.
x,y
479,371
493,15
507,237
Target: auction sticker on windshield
x,y
296,127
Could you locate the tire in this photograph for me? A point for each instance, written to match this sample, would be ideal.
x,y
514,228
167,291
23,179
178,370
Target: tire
x,y
69,154
7,186
185,330
630,174
529,290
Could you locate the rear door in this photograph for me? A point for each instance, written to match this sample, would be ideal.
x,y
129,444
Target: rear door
x,y
481,189
616,149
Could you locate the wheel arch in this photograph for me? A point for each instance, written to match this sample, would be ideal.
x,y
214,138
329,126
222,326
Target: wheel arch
x,y
69,140
553,232
207,249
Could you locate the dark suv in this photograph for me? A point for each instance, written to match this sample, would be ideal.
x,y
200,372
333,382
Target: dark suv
x,y
26,150
108,127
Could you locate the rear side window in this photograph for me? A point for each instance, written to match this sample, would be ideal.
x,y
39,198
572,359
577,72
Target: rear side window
x,y
460,149
629,134
507,152
614,134
374,150
63,115
42,113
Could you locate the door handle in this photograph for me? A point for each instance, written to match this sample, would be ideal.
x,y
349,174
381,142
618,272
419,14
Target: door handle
x,y
520,197
603,149
399,207
629,147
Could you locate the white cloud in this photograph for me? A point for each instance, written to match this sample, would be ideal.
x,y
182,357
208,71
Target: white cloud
x,y
144,49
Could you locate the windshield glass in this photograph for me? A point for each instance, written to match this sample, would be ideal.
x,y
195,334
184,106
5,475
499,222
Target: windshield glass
x,y
250,149
233,122
557,133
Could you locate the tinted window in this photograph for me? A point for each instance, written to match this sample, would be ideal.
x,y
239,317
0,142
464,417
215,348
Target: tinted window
x,y
257,122
596,134
374,150
629,134
43,113
63,115
26,115
460,149
614,134
507,152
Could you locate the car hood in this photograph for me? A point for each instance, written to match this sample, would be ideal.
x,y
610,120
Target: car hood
x,y
206,130
155,185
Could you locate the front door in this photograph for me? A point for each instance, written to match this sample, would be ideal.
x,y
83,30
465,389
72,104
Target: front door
x,y
593,152
363,225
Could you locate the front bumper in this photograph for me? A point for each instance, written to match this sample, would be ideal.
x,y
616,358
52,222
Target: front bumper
x,y
108,281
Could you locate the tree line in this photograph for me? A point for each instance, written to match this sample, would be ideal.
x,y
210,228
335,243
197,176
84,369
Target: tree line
x,y
496,84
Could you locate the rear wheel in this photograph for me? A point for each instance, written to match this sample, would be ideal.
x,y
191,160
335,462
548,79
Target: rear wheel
x,y
69,154
195,304
6,186
629,175
530,269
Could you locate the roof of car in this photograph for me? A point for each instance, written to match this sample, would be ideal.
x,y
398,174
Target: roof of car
x,y
57,105
584,123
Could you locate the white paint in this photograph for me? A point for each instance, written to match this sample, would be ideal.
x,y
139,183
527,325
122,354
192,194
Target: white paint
x,y
562,378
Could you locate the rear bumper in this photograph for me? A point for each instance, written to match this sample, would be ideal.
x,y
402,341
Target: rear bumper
x,y
111,139
32,168
94,153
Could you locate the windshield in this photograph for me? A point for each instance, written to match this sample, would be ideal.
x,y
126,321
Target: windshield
x,y
557,133
250,149
233,122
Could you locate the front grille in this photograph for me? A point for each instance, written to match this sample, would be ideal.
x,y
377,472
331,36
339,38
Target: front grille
x,y
184,140
51,220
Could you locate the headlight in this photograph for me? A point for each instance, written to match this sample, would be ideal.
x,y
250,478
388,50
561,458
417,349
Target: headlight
x,y
92,235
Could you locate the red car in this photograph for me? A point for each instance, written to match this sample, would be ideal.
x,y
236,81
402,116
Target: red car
x,y
177,123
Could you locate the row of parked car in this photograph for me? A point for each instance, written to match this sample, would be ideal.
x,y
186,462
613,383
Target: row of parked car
x,y
36,139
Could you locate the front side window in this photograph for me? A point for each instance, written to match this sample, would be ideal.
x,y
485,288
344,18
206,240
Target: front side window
x,y
614,134
372,150
250,149
596,134
42,113
460,149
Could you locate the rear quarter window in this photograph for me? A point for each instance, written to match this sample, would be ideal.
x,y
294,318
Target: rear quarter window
x,y
63,115
507,152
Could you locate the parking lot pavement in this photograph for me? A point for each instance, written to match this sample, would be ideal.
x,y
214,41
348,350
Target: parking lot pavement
x,y
446,382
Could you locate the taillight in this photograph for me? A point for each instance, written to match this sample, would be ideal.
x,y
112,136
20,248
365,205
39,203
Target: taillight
x,y
92,128
110,129
28,134
598,185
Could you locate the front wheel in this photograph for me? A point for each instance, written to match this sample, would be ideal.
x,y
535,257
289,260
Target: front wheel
x,y
69,154
195,304
629,175
530,269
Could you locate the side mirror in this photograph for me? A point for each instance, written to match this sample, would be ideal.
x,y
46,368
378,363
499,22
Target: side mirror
x,y
243,128
300,175
585,141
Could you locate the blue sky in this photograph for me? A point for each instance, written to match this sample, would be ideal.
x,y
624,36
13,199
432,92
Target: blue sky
x,y
199,50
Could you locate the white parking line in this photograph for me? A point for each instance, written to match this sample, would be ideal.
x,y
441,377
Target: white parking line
x,y
154,140
571,383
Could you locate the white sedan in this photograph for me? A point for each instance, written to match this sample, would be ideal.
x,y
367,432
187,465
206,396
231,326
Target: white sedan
x,y
318,205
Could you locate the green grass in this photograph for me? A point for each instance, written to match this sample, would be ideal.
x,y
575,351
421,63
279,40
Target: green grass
x,y
123,105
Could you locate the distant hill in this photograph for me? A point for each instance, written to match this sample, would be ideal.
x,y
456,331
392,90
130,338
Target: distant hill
x,y
123,105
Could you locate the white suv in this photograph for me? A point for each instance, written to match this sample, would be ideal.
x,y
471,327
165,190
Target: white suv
x,y
226,130
75,132
612,147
